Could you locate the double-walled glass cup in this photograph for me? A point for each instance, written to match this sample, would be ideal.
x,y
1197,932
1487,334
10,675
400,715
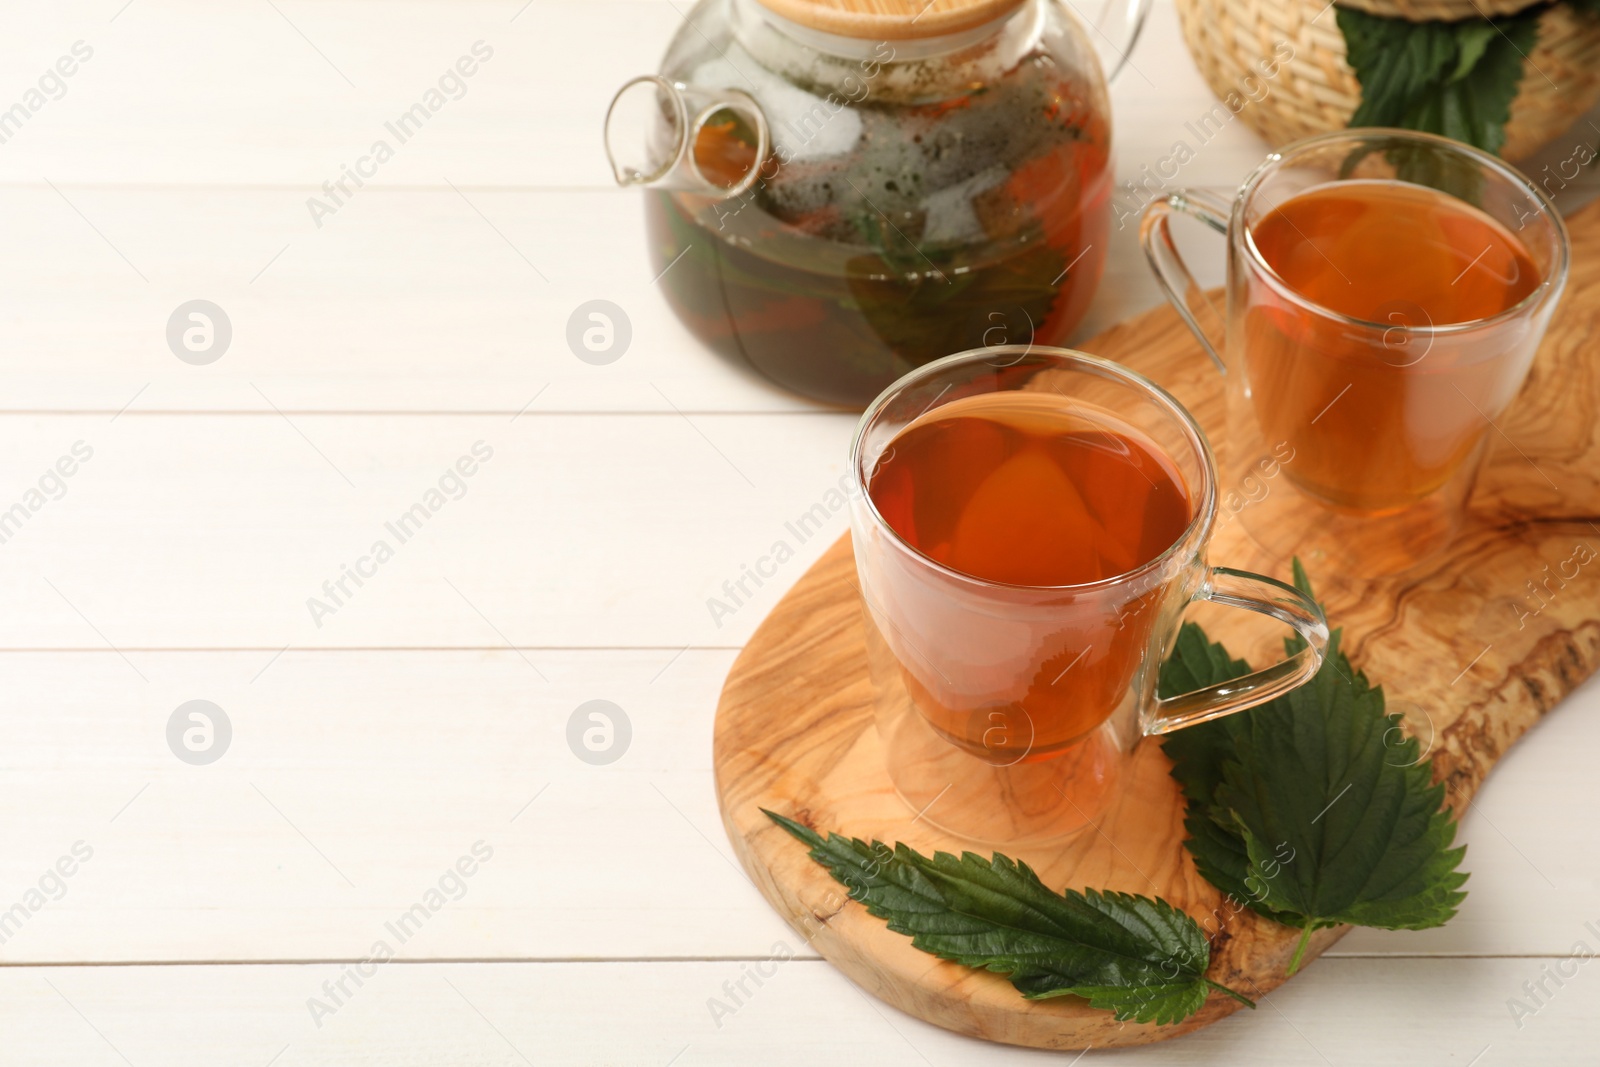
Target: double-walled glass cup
x,y
1355,444
1007,712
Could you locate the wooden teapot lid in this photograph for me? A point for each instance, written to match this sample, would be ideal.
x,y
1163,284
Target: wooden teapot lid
x,y
891,20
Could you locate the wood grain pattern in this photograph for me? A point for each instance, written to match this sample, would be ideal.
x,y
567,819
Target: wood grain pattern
x,y
1474,649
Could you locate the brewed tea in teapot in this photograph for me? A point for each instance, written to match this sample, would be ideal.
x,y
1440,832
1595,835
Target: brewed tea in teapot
x,y
842,191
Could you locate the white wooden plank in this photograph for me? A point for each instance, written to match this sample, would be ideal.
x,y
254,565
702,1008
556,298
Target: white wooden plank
x,y
216,531
181,91
1340,1011
353,780
193,92
352,783
408,300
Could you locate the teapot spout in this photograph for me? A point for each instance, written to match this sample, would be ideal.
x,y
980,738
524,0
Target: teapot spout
x,y
667,135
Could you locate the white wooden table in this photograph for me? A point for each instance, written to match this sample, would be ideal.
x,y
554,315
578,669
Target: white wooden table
x,y
210,907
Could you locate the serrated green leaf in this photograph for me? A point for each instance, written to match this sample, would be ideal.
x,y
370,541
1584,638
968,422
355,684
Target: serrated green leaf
x,y
1472,40
1198,751
1318,769
1451,78
1315,809
1199,755
1137,957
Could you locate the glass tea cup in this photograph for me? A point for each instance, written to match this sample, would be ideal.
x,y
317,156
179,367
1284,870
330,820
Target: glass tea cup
x,y
1007,711
1354,443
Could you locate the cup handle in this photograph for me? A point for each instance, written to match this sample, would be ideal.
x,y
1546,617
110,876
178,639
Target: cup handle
x,y
1155,235
1270,597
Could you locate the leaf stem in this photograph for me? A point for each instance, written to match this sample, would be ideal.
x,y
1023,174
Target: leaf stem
x,y
1240,997
1300,949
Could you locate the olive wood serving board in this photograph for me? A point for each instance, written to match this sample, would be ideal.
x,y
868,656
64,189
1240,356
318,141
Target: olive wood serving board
x,y
1465,640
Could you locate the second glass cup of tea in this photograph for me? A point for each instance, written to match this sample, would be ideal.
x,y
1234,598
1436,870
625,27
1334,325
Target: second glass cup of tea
x,y
1029,525
1387,291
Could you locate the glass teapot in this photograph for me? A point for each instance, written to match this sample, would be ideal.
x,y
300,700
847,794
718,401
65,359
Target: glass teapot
x,y
842,190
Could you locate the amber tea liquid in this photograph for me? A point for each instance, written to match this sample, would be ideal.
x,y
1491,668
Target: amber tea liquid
x,y
1376,427
1020,488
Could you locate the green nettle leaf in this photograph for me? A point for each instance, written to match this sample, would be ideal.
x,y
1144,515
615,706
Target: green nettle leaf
x,y
1194,664
1199,756
1315,809
1451,78
1141,959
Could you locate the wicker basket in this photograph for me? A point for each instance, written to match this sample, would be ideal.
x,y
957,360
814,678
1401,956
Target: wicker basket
x,y
1233,41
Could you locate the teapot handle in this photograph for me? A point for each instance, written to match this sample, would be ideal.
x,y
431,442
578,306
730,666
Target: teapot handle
x,y
652,127
1116,28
